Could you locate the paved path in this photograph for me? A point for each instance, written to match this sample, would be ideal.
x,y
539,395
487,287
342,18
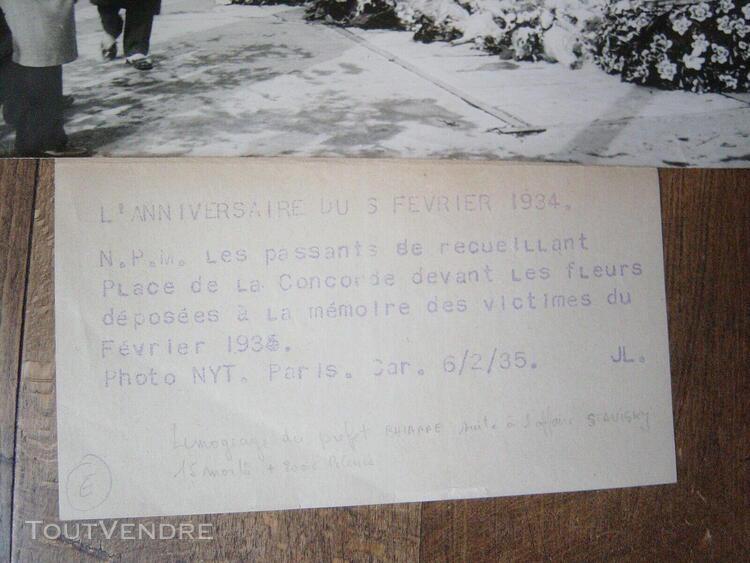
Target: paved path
x,y
242,80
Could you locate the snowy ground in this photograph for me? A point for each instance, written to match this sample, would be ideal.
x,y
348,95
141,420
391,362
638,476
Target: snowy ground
x,y
240,80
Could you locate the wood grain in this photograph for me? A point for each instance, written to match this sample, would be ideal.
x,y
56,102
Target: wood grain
x,y
383,533
35,490
706,516
17,180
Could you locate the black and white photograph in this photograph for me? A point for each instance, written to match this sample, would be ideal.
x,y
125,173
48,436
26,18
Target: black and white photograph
x,y
374,280
633,82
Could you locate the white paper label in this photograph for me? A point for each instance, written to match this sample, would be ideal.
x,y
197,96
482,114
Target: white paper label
x,y
238,335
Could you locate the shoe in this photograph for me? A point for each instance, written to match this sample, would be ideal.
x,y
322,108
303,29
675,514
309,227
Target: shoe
x,y
68,151
109,50
140,62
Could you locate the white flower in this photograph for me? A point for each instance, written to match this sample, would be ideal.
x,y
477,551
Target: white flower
x,y
693,62
615,64
700,12
746,11
681,25
724,24
666,69
641,71
699,44
741,28
720,54
729,80
660,42
725,6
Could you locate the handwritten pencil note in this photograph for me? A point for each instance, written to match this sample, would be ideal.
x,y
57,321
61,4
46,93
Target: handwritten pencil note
x,y
239,335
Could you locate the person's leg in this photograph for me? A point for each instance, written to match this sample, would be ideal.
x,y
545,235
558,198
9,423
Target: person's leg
x,y
5,81
11,97
37,109
138,25
112,24
111,21
6,52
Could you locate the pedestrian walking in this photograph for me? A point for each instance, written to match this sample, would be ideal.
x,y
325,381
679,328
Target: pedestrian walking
x,y
43,39
135,28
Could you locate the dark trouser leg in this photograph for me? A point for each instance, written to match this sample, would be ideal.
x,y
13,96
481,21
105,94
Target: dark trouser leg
x,y
34,107
138,24
5,63
111,21
6,51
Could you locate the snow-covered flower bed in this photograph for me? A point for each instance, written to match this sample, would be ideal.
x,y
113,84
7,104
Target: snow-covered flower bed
x,y
269,2
519,29
698,45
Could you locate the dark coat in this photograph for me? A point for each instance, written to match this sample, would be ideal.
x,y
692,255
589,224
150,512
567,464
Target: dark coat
x,y
152,6
43,31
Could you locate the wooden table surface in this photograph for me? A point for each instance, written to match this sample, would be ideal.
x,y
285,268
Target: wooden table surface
x,y
705,516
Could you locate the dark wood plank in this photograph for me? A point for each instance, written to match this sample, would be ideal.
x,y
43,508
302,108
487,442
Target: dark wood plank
x,y
384,533
17,178
706,516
